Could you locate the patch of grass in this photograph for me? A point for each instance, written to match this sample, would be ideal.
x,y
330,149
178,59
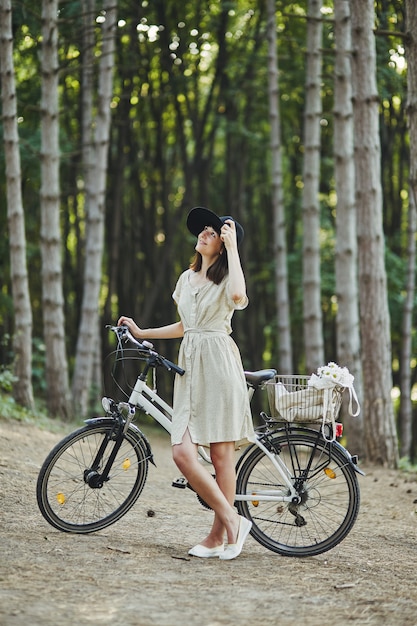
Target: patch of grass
x,y
12,411
405,465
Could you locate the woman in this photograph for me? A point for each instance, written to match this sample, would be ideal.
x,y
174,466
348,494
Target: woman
x,y
211,404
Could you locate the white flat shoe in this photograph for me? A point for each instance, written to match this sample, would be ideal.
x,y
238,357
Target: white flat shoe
x,y
206,553
234,549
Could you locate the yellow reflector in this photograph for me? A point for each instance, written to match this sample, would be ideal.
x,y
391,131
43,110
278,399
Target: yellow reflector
x,y
255,502
60,498
330,473
126,464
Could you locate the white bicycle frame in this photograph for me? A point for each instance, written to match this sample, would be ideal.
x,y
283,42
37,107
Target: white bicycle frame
x,y
146,399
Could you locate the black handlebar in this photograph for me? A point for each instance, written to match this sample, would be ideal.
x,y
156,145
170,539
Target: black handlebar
x,y
172,366
123,332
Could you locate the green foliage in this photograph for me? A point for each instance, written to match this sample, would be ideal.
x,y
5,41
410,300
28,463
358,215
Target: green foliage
x,y
7,378
10,410
38,367
405,465
190,125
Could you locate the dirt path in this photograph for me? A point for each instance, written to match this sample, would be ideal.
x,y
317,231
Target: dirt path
x,y
137,572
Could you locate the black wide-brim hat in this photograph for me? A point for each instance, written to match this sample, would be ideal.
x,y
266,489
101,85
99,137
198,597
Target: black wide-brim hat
x,y
199,217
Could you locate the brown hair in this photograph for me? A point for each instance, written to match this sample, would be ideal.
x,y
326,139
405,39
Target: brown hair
x,y
215,272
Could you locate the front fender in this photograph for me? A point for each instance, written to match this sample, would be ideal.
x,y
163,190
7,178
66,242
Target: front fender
x,y
140,436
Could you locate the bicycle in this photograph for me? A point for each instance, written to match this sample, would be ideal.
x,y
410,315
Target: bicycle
x,y
299,488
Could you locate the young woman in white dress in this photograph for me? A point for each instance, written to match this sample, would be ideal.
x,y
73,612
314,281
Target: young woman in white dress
x,y
211,406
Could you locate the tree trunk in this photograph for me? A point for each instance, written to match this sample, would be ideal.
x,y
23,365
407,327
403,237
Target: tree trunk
x,y
406,412
279,233
22,337
312,312
380,432
58,400
406,406
346,257
88,336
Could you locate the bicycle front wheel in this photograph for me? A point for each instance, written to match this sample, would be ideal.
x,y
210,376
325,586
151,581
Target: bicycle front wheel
x,y
65,498
327,487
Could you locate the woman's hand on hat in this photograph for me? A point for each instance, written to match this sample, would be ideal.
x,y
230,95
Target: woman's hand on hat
x,y
228,234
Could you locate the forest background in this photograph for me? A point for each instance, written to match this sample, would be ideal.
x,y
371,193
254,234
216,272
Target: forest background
x,y
297,118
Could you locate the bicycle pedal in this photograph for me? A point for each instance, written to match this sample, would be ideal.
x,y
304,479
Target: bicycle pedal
x,y
180,483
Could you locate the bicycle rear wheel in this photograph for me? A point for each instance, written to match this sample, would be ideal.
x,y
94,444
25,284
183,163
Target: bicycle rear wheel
x,y
65,498
326,483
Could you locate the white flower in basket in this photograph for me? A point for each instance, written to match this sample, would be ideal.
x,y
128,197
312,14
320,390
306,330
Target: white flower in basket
x,y
333,380
332,374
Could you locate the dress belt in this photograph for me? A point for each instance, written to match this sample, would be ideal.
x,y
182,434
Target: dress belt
x,y
202,331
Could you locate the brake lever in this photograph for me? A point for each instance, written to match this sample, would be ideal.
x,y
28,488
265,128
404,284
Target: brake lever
x,y
118,330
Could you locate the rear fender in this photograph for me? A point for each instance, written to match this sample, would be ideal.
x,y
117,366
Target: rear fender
x,y
352,459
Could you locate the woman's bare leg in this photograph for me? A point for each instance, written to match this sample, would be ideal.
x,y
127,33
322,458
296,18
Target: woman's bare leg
x,y
223,459
211,491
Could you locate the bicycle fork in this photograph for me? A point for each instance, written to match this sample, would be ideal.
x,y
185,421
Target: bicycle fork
x,y
122,414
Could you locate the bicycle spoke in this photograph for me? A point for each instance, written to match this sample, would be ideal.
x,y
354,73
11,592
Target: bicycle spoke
x,y
327,488
68,502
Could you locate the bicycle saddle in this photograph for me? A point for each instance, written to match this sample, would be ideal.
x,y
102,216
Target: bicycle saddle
x,y
255,379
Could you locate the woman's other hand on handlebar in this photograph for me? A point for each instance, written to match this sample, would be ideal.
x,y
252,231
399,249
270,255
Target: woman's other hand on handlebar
x,y
132,326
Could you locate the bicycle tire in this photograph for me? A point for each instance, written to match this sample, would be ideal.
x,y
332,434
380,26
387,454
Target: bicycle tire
x,y
330,496
64,498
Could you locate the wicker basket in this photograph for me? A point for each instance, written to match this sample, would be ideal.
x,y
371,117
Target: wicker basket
x,y
291,399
